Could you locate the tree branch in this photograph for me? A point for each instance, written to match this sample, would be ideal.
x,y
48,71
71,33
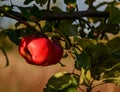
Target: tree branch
x,y
49,15
16,16
75,15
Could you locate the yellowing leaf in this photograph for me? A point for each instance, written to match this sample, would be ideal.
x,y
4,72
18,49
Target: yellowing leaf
x,y
85,76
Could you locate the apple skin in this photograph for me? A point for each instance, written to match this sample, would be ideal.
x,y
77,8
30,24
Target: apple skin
x,y
39,50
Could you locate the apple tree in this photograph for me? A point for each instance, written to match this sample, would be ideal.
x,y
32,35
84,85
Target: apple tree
x,y
70,32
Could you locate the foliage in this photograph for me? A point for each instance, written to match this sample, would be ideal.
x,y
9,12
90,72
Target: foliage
x,y
96,56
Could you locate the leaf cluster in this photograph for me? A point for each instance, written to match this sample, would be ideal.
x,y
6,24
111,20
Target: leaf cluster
x,y
78,32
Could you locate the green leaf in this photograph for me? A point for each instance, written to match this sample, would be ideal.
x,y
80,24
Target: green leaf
x,y
111,28
17,24
112,60
54,1
114,44
66,28
116,55
69,1
112,75
82,42
12,35
48,26
41,2
114,17
89,1
103,66
56,9
70,89
114,68
3,34
62,82
7,7
82,61
96,71
98,52
35,11
85,77
27,1
37,14
25,12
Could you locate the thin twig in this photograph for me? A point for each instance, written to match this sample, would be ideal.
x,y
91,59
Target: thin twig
x,y
39,26
6,57
79,18
84,19
11,3
48,5
81,89
98,85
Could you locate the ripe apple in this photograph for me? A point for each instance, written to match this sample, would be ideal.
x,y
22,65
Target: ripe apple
x,y
39,50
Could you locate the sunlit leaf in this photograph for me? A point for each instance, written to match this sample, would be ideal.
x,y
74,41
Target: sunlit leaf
x,y
112,75
85,77
62,82
7,7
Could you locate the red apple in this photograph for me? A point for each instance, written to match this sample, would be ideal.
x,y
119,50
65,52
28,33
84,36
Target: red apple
x,y
39,50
